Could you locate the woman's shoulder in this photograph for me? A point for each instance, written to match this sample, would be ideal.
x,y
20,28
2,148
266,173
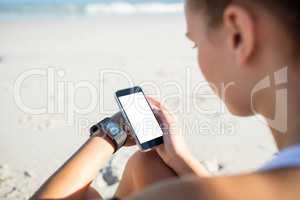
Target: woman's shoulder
x,y
271,185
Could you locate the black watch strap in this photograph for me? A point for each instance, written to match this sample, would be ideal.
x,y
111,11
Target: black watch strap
x,y
117,137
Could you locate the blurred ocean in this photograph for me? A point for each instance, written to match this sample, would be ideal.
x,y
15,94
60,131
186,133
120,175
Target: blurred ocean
x,y
90,7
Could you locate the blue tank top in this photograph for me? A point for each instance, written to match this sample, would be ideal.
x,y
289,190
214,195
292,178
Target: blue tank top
x,y
287,158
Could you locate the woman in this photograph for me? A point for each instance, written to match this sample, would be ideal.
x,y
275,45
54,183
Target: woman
x,y
239,41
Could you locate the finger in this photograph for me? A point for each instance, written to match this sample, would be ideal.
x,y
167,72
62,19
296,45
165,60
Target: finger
x,y
130,141
157,103
158,113
160,117
154,107
162,113
165,118
154,102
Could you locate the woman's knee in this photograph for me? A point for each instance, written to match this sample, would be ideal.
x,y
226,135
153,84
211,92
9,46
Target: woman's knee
x,y
135,176
147,168
141,160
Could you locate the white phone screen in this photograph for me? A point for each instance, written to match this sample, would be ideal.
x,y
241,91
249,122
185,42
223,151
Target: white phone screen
x,y
141,117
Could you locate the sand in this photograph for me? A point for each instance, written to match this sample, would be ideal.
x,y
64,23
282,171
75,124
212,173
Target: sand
x,y
150,51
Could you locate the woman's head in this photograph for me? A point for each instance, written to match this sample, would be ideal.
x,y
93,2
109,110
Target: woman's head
x,y
240,42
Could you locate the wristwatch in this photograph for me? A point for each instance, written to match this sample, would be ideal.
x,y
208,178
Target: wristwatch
x,y
112,130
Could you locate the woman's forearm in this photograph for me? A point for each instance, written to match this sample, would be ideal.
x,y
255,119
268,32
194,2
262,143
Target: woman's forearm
x,y
75,176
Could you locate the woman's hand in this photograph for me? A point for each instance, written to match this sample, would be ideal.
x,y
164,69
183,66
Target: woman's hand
x,y
174,151
174,147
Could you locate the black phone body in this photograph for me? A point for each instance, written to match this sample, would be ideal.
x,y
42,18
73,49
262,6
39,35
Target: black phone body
x,y
139,115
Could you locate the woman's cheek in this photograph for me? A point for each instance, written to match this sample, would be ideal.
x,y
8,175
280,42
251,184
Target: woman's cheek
x,y
203,61
208,68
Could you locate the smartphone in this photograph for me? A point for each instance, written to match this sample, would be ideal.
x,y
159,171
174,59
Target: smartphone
x,y
140,117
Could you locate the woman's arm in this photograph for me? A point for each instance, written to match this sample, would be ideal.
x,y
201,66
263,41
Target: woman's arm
x,y
273,185
73,179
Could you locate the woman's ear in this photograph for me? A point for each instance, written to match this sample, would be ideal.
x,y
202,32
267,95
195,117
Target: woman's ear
x,y
239,25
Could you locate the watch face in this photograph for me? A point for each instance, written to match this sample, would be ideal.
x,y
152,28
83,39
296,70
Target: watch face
x,y
113,128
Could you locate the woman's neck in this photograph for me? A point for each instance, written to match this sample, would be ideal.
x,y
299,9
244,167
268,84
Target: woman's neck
x,y
291,135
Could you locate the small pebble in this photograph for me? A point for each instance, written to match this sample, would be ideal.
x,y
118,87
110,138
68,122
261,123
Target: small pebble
x,y
110,180
27,174
221,167
109,174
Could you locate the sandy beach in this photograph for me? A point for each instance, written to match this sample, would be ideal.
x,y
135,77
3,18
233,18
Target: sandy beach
x,y
58,76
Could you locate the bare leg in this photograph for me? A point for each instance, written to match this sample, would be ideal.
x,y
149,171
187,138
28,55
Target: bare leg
x,y
142,170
